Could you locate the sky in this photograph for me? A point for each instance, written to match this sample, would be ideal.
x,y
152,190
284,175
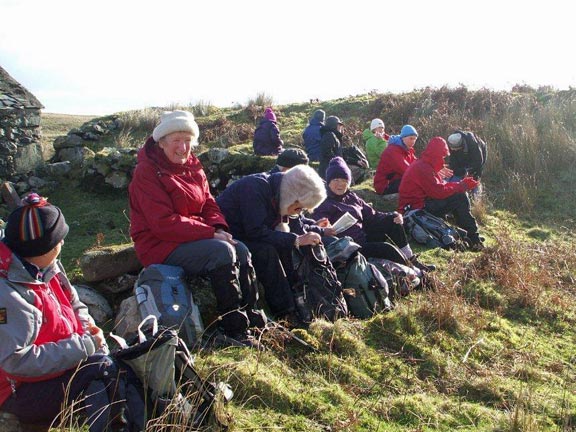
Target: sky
x,y
101,57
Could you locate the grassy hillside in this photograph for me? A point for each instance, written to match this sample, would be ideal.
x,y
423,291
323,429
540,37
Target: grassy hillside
x,y
492,349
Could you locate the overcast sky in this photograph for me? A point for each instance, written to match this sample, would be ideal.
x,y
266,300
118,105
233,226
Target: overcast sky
x,y
100,57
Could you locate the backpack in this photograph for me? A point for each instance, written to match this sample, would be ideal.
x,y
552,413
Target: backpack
x,y
162,291
401,279
318,292
356,161
364,287
165,367
433,231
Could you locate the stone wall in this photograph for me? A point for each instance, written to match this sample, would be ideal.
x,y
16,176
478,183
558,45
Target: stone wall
x,y
20,149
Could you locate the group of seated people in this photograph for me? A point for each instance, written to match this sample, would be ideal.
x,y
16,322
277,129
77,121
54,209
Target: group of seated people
x,y
243,237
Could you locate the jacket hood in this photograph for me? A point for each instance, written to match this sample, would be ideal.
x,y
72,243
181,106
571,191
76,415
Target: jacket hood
x,y
435,152
152,153
367,134
397,141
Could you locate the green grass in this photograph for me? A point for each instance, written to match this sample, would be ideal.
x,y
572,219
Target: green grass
x,y
492,349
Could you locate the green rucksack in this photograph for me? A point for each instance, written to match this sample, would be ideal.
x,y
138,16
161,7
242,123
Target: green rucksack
x,y
365,289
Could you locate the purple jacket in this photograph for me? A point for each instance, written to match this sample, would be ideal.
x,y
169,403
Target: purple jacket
x,y
267,139
335,206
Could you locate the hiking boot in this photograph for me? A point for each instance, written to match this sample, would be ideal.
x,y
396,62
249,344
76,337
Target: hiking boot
x,y
257,318
292,320
476,246
421,266
242,340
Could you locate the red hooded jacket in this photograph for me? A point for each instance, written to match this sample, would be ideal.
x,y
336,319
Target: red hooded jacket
x,y
421,180
170,204
394,162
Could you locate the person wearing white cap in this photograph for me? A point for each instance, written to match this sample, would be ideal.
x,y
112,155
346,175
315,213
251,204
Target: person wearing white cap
x,y
376,140
174,220
468,154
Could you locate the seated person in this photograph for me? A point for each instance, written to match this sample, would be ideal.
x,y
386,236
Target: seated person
x,y
394,161
373,229
467,155
330,143
423,187
288,159
52,353
174,220
311,135
376,140
267,139
264,211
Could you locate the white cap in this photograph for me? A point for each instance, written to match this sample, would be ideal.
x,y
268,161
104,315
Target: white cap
x,y
455,141
176,121
376,123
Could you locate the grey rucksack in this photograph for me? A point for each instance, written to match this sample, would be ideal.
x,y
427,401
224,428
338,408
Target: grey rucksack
x,y
162,291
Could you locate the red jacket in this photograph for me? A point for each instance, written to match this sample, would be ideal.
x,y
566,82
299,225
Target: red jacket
x,y
170,204
394,162
421,180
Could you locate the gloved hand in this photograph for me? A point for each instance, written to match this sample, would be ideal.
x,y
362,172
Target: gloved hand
x,y
469,183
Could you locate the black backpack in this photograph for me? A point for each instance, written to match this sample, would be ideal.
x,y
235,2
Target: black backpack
x,y
356,161
318,292
432,231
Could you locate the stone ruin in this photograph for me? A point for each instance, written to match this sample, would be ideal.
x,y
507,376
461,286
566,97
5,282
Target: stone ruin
x,y
20,148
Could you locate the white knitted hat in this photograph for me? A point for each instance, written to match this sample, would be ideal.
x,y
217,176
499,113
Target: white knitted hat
x,y
455,141
376,123
303,184
176,121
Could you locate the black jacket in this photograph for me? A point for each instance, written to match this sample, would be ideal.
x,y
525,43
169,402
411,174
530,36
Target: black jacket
x,y
471,158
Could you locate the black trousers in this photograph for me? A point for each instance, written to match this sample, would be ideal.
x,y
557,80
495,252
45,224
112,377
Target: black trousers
x,y
459,206
274,270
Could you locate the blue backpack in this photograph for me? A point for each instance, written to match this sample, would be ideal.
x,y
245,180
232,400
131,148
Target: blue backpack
x,y
162,291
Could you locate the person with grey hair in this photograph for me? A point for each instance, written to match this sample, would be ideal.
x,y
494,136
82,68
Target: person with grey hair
x,y
265,212
174,220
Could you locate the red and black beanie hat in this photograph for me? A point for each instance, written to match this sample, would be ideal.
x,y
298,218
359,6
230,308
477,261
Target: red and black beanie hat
x,y
35,228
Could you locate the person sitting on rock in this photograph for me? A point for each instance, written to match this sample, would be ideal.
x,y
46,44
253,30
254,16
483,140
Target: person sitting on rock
x,y
373,230
376,140
330,143
174,220
394,161
312,136
267,139
423,187
52,353
467,155
264,211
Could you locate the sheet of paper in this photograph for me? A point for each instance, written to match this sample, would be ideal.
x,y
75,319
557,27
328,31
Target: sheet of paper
x,y
344,222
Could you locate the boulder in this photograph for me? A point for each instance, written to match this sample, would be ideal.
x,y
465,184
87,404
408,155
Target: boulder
x,y
9,423
58,169
127,319
97,305
109,262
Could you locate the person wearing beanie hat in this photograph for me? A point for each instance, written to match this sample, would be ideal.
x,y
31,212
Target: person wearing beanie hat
x,y
174,220
394,161
330,142
290,158
424,187
311,135
376,140
265,212
51,350
373,229
267,141
468,155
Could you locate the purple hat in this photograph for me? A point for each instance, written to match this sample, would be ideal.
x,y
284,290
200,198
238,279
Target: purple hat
x,y
269,115
337,169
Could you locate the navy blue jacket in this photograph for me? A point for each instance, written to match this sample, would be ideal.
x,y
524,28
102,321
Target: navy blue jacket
x,y
251,208
267,139
312,139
